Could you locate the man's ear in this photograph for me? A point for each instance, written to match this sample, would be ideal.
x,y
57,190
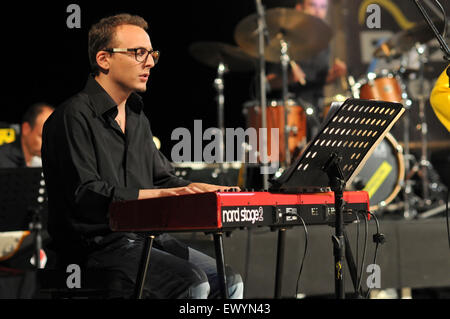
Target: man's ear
x,y
298,7
26,128
102,58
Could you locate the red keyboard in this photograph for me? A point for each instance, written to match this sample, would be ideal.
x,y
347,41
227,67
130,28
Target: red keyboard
x,y
217,211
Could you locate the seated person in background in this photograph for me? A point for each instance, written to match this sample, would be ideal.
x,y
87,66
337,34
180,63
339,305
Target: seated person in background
x,y
25,151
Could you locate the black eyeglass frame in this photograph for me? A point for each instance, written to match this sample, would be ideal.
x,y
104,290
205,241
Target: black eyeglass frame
x,y
154,53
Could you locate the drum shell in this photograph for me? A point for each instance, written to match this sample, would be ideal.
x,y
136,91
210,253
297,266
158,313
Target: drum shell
x,y
385,87
275,119
382,188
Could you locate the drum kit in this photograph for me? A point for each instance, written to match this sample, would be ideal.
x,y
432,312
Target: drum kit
x,y
295,36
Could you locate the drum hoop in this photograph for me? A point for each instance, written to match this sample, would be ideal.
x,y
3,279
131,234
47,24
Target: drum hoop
x,y
401,171
363,80
271,103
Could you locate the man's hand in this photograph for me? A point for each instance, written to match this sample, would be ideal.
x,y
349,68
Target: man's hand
x,y
339,69
203,188
192,188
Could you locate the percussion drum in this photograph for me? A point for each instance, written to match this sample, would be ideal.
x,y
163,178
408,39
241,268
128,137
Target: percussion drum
x,y
382,174
275,119
384,87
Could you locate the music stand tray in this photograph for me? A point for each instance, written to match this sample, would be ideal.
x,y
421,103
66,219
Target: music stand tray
x,y
352,130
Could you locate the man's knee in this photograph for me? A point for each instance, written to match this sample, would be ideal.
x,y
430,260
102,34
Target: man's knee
x,y
235,284
199,287
199,291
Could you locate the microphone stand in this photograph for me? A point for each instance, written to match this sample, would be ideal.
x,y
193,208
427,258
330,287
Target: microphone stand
x,y
263,36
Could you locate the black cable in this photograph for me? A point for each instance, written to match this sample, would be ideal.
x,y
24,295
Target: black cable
x,y
357,242
304,254
446,213
305,249
444,32
379,239
366,225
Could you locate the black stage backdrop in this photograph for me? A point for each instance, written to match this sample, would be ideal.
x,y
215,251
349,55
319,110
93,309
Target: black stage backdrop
x,y
45,60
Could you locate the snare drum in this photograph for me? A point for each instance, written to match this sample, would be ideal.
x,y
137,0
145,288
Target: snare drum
x,y
275,119
382,174
384,87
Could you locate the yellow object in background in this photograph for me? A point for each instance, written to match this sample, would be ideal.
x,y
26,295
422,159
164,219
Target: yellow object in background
x,y
440,99
7,135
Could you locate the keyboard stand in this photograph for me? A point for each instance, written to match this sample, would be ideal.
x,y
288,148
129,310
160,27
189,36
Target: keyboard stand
x,y
145,261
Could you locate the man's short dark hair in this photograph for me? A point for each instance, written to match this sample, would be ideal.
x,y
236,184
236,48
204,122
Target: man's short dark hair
x,y
33,112
101,34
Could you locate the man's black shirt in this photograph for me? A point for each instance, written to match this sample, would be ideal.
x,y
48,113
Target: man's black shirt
x,y
89,162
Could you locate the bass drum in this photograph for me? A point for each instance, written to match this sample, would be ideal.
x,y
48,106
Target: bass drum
x,y
383,173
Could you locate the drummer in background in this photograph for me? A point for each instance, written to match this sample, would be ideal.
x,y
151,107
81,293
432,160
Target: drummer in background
x,y
307,83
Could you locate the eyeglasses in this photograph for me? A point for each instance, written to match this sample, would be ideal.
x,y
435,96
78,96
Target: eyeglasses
x,y
140,54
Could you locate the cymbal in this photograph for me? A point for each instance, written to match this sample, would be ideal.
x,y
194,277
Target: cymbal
x,y
214,53
405,40
305,34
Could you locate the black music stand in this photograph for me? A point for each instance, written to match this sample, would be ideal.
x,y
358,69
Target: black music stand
x,y
349,135
23,199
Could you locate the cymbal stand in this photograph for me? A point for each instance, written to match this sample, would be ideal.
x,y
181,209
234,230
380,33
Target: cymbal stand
x,y
285,59
262,39
408,157
407,187
424,163
219,86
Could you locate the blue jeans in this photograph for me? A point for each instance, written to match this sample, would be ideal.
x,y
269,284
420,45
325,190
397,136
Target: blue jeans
x,y
170,276
211,288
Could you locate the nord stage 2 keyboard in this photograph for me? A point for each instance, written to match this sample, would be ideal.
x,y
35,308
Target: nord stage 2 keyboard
x,y
217,211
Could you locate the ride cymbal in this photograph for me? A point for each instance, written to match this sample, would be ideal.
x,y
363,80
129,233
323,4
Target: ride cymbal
x,y
305,34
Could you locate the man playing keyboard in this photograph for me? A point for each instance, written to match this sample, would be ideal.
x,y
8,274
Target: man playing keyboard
x,y
98,148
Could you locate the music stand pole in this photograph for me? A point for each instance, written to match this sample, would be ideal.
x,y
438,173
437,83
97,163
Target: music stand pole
x,y
36,230
337,185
